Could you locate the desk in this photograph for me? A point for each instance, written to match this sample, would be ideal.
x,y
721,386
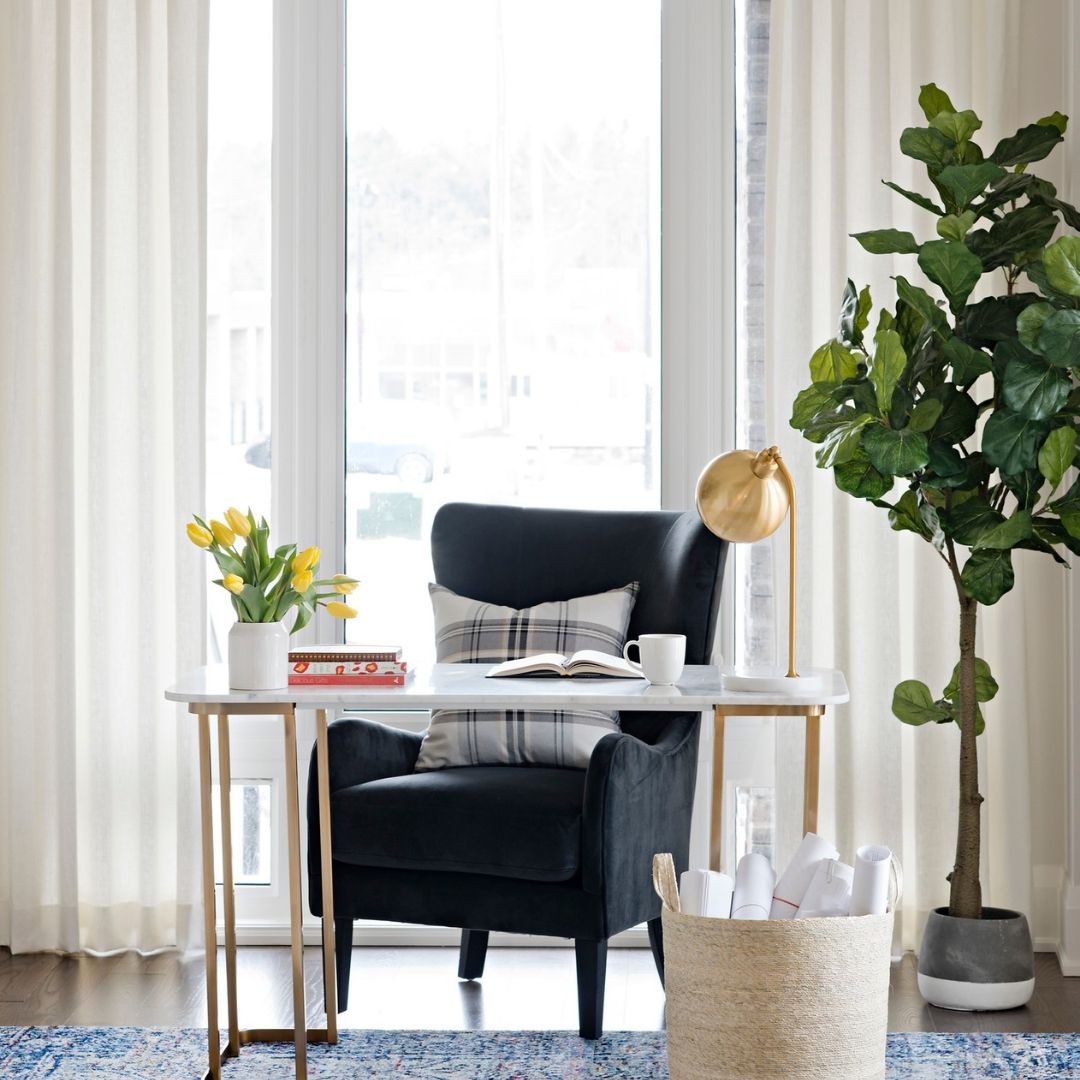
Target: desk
x,y
206,693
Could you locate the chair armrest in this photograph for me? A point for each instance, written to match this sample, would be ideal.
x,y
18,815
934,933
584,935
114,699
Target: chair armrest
x,y
362,750
358,751
638,801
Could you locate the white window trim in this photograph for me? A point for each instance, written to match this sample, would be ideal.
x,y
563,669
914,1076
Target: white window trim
x,y
308,288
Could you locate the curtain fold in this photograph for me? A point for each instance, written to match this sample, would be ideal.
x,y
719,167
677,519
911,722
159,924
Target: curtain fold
x,y
102,326
844,79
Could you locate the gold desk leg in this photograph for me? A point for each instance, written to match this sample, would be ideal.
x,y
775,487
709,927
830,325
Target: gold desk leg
x,y
811,772
716,823
228,893
296,915
209,911
327,867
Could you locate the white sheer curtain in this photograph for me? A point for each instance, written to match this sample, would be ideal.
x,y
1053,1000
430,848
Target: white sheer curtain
x,y
102,301
844,81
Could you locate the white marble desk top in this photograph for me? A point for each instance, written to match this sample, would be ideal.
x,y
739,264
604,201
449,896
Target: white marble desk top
x,y
464,685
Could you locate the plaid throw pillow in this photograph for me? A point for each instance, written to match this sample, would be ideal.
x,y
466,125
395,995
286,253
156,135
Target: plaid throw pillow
x,y
471,632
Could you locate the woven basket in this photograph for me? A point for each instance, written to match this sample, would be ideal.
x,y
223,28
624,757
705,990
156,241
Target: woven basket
x,y
781,999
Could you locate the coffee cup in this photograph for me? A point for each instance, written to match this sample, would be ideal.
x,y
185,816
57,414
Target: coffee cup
x,y
662,657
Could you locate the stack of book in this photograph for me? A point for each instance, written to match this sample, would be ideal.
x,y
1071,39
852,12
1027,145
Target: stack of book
x,y
347,665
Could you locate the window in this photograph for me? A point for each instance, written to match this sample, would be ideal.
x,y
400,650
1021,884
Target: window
x,y
502,274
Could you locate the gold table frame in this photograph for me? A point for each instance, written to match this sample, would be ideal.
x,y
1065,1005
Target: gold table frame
x,y
300,1034
206,694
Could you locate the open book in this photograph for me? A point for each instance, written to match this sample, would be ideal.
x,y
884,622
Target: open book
x,y
584,662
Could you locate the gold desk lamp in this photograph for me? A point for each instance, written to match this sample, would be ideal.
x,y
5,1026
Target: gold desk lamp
x,y
743,497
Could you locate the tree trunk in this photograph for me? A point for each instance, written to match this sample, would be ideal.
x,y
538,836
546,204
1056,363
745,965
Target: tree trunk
x,y
965,898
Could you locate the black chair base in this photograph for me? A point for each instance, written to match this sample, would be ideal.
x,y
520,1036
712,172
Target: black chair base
x,y
591,959
473,953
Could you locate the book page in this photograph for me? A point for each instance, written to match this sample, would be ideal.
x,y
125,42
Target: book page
x,y
549,662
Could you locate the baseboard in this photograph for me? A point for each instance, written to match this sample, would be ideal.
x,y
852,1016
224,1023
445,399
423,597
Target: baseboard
x,y
390,935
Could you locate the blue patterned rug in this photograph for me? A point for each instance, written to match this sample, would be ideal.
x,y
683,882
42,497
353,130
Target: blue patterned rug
x,y
73,1053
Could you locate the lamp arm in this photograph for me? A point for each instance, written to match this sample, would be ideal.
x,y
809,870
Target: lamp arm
x,y
791,672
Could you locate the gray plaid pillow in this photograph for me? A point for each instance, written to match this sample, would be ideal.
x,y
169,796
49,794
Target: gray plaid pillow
x,y
471,632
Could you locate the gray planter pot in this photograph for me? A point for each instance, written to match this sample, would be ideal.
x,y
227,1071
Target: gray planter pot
x,y
977,964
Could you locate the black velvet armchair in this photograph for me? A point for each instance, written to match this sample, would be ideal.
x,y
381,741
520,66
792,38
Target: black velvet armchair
x,y
526,849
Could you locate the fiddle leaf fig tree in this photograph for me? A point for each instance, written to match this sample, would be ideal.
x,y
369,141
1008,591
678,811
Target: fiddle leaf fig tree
x,y
959,417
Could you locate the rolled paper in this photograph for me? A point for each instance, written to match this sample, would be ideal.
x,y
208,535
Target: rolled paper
x,y
795,880
706,892
870,887
829,892
754,880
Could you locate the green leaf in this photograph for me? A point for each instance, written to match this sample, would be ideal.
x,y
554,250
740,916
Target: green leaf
x,y
986,686
832,364
949,264
1057,120
920,301
904,515
1031,143
896,453
1014,238
994,319
927,145
303,617
1033,388
967,363
1025,487
971,520
841,443
934,100
946,464
1057,455
958,126
955,226
925,414
809,403
859,478
1029,322
915,197
928,512
959,415
1069,214
965,183
1011,442
887,241
886,366
846,329
1059,338
862,312
987,575
1008,533
253,599
913,703
1061,262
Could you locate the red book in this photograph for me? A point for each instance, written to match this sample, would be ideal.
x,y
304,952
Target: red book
x,y
347,680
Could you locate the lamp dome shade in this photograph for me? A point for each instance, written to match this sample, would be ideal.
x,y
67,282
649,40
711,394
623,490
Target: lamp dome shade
x,y
741,497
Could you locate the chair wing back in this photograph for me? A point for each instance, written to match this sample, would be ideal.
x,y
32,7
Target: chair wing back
x,y
520,557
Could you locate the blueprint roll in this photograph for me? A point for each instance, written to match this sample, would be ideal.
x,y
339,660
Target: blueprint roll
x,y
754,882
706,892
795,880
870,888
829,894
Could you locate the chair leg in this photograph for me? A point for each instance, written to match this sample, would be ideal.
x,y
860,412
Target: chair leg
x,y
343,959
591,971
656,943
473,953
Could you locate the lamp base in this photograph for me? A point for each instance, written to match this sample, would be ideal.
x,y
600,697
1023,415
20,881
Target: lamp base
x,y
770,681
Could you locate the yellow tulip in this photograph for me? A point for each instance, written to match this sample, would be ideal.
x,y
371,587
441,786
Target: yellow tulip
x,y
234,583
238,522
306,559
199,536
340,610
222,533
301,581
344,585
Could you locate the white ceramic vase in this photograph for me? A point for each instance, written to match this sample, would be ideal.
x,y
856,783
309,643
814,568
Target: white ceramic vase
x,y
258,656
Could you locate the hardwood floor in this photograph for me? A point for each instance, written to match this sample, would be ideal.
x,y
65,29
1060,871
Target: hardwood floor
x,y
418,988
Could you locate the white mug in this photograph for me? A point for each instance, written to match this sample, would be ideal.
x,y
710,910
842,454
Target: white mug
x,y
662,657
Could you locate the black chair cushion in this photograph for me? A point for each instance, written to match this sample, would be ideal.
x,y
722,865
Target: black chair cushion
x,y
491,819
